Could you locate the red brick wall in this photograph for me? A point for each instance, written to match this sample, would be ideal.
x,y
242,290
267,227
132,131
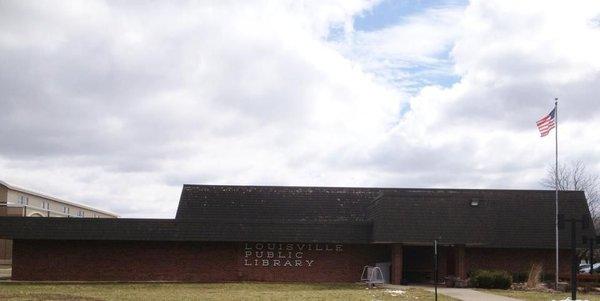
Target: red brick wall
x,y
190,261
517,260
221,262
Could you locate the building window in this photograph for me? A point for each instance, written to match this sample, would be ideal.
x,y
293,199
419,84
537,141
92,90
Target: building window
x,y
81,213
66,209
46,205
23,200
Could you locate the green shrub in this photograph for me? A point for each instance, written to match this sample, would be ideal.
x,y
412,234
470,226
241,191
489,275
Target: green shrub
x,y
548,277
474,278
520,277
502,280
490,279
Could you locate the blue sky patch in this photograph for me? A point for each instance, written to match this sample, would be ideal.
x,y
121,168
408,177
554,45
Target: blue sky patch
x,y
393,12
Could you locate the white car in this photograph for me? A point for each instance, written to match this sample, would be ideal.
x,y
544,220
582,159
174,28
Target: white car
x,y
586,269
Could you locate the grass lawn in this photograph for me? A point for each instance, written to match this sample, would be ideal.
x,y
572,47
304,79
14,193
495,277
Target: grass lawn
x,y
540,296
192,291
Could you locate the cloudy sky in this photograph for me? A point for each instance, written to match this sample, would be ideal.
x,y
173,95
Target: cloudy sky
x,y
117,104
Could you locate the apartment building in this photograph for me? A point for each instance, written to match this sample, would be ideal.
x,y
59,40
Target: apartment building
x,y
17,201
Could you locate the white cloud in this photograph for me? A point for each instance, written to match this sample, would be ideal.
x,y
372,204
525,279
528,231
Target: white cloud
x,y
513,59
119,104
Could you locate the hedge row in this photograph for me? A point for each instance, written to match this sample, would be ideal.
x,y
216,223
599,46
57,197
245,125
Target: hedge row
x,y
490,279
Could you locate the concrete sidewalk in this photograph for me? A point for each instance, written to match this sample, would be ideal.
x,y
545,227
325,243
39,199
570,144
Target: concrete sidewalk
x,y
467,294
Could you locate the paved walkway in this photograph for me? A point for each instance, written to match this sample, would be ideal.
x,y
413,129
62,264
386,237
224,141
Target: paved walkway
x,y
465,294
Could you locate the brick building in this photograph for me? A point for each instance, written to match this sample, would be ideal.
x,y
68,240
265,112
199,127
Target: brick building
x,y
313,234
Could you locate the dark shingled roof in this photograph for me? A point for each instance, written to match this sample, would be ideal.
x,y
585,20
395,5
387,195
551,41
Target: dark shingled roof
x,y
503,218
273,203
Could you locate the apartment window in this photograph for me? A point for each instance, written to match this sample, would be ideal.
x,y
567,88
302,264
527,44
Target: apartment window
x,y
23,200
46,205
81,213
66,209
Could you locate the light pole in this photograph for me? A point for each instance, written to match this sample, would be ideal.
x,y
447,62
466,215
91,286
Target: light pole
x,y
435,266
574,264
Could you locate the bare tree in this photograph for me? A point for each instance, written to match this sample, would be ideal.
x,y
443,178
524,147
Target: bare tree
x,y
574,176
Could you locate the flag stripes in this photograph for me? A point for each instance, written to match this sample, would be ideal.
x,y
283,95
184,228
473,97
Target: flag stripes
x,y
546,124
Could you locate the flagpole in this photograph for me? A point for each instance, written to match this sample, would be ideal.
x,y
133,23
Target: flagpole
x,y
556,184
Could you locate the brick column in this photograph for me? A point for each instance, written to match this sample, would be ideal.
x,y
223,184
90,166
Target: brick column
x,y
396,277
460,264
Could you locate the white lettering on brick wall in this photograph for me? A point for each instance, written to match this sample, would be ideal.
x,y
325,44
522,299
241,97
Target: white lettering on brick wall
x,y
258,254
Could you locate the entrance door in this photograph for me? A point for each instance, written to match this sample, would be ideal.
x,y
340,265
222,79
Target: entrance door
x,y
417,264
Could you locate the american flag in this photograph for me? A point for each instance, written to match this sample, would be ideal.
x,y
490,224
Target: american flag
x,y
546,123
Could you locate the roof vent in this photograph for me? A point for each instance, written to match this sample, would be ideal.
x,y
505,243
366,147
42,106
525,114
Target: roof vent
x,y
474,202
